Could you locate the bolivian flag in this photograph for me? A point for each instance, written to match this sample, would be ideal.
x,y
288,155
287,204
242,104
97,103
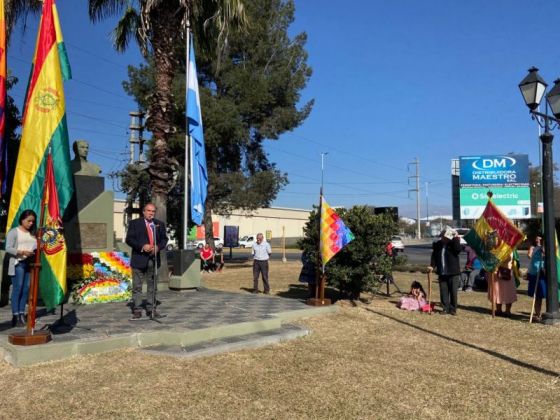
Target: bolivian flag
x,y
493,237
53,247
44,128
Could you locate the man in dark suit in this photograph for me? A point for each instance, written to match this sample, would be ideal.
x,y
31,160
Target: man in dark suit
x,y
146,236
445,260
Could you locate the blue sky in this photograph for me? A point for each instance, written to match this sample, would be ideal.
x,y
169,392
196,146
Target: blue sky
x,y
431,80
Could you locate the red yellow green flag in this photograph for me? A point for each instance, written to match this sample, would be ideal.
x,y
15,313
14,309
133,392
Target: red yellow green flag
x,y
493,237
334,233
44,128
52,282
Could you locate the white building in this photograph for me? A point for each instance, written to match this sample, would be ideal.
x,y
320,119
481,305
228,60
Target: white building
x,y
276,221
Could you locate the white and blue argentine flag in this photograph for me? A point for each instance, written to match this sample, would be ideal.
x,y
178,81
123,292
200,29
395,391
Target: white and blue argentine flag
x,y
199,174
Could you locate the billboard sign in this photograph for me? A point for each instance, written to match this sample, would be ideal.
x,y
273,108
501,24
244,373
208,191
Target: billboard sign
x,y
515,202
507,176
231,236
494,171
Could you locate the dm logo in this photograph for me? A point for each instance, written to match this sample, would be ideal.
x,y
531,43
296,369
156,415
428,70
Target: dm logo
x,y
47,100
498,162
52,241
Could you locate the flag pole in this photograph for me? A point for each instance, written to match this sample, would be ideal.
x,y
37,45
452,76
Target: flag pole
x,y
492,275
319,299
30,336
322,281
187,145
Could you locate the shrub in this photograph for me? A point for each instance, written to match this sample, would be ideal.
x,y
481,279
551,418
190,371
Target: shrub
x,y
359,266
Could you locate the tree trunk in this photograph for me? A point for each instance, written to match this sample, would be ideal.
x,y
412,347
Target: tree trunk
x,y
163,167
208,226
160,202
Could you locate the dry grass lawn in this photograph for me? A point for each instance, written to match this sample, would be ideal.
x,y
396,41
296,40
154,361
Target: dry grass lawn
x,y
369,361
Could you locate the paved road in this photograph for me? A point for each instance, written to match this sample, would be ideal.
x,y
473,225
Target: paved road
x,y
291,254
416,254
420,254
240,253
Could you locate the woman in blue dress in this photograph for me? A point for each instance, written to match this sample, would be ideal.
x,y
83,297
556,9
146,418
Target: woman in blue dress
x,y
536,272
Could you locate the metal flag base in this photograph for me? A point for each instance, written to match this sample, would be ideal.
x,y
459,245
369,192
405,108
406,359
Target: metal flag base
x,y
24,338
318,302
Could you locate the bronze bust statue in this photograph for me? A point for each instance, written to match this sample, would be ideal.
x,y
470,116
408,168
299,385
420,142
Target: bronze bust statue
x,y
80,164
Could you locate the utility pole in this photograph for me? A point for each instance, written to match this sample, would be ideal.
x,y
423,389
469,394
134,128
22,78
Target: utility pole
x,y
417,189
427,211
136,130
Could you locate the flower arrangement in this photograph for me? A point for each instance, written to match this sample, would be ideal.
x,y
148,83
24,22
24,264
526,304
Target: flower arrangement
x,y
99,277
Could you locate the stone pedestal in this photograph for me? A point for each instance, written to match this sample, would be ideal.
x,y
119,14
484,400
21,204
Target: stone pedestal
x,y
186,271
88,223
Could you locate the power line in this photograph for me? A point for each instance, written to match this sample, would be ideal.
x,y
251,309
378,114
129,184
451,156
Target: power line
x,y
331,165
95,55
97,88
70,112
348,153
351,195
104,121
86,130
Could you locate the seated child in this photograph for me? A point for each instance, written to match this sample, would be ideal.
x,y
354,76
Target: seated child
x,y
415,300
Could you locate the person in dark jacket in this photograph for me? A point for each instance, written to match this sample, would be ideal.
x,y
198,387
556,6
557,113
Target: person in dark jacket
x,y
147,237
445,261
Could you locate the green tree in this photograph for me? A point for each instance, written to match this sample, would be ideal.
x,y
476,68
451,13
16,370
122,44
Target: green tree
x,y
361,264
159,27
11,136
250,98
17,11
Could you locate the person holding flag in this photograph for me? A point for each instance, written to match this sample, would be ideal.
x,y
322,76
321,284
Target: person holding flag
x,y
503,290
495,238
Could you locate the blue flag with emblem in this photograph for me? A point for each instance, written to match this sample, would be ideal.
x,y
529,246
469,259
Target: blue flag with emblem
x,y
199,173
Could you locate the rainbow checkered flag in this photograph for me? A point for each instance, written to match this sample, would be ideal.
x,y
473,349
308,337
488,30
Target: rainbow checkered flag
x,y
334,233
493,237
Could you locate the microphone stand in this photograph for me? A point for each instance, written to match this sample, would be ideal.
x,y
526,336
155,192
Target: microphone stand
x,y
155,275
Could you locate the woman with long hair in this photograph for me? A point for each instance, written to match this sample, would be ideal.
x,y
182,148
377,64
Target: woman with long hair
x,y
21,245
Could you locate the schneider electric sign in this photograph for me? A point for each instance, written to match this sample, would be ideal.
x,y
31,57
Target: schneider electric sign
x,y
494,170
507,176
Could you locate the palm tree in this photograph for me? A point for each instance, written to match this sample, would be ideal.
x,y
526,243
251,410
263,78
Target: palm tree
x,y
158,26
17,10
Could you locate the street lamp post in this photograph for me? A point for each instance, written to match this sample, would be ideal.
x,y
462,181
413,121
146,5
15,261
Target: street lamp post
x,y
533,88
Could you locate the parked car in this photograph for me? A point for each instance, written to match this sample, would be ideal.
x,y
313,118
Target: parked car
x,y
199,243
247,241
397,243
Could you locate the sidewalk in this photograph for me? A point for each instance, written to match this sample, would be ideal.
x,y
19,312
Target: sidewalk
x,y
193,317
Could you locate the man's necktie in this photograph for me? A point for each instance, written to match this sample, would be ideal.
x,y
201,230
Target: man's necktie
x,y
150,228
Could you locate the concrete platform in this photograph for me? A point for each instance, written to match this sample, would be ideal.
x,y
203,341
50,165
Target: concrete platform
x,y
229,344
195,319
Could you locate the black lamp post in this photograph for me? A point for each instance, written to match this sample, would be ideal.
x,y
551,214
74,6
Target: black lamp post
x,y
533,88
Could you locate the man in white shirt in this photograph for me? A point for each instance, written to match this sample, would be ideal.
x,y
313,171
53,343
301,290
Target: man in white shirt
x,y
261,254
